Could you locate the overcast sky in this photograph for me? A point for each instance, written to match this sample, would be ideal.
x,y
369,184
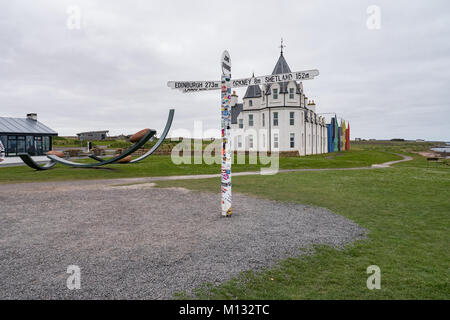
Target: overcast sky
x,y
392,82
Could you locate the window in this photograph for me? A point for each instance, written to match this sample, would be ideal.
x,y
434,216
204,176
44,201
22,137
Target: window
x,y
38,145
291,93
275,93
250,142
263,119
241,123
292,140
291,118
275,140
250,120
275,118
12,143
250,103
20,144
239,141
264,140
46,143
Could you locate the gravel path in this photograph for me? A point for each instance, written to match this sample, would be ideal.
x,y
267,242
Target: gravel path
x,y
139,242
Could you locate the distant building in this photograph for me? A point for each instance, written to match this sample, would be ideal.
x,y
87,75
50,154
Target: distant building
x,y
420,140
92,135
25,135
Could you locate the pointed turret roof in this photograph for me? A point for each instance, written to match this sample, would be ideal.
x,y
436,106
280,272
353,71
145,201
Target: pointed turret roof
x,y
282,67
253,91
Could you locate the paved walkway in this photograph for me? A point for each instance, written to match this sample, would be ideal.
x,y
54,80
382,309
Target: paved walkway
x,y
16,161
249,173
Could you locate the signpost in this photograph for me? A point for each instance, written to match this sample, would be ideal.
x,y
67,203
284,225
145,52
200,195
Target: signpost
x,y
195,86
226,134
225,86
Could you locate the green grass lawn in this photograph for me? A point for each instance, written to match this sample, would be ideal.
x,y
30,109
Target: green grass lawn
x,y
406,209
159,165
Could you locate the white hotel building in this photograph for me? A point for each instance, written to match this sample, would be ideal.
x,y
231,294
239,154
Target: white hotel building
x,y
277,117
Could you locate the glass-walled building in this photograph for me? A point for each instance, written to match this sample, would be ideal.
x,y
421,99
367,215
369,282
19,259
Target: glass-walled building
x,y
25,135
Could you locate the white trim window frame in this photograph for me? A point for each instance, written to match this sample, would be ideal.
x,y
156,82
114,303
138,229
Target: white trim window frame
x,y
275,93
291,93
275,141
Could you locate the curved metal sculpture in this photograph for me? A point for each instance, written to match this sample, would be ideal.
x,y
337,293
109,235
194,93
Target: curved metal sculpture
x,y
157,144
124,154
149,136
33,164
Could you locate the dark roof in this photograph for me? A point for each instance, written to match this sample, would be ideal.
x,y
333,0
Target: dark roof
x,y
282,67
89,132
235,111
24,125
253,91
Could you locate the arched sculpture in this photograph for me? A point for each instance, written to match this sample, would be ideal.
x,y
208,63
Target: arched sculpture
x,y
32,164
157,144
26,158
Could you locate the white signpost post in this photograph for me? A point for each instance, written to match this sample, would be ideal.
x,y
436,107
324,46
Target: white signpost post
x,y
225,86
226,134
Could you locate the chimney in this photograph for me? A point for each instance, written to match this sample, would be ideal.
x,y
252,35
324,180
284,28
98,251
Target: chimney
x,y
32,116
234,99
312,106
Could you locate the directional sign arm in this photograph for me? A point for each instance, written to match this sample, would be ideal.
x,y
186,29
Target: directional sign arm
x,y
195,86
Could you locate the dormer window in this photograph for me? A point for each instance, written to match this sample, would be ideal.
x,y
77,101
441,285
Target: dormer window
x,y
291,93
275,93
250,103
241,123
